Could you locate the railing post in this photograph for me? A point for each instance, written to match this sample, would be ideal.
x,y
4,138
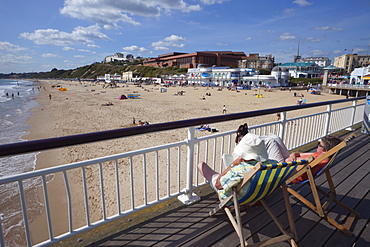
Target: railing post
x,y
354,104
189,197
327,123
282,125
2,242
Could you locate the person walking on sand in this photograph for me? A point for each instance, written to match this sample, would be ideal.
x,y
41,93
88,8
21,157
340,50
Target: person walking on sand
x,y
49,96
224,110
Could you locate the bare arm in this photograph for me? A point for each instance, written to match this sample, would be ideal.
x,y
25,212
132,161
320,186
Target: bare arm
x,y
294,156
236,162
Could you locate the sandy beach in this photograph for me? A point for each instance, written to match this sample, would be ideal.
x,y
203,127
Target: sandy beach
x,y
82,109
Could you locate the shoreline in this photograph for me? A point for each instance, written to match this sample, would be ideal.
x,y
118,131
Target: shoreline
x,y
81,109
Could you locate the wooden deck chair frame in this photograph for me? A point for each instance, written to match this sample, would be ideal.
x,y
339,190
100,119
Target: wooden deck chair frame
x,y
265,179
319,207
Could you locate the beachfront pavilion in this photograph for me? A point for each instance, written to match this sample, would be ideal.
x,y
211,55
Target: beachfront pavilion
x,y
303,70
225,76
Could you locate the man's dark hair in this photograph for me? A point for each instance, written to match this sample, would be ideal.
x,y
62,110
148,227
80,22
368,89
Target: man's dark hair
x,y
241,132
330,141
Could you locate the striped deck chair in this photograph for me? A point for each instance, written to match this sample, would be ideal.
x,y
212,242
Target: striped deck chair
x,y
318,206
264,180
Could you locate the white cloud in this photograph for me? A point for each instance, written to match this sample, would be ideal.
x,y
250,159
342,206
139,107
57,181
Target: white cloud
x,y
174,38
109,13
327,28
135,48
248,38
314,40
78,56
319,53
80,35
49,55
289,11
358,50
94,46
222,44
68,48
161,48
169,41
287,36
10,59
337,52
6,46
302,3
209,2
191,23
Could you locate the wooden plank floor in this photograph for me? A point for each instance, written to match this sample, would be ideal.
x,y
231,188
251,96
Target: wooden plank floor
x,y
191,225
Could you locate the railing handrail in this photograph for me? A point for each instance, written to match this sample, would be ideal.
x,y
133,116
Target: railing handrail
x,y
72,140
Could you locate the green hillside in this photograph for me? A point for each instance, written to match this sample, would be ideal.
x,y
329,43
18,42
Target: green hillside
x,y
94,70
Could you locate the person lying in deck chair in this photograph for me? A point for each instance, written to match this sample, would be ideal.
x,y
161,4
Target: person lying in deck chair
x,y
277,150
249,151
325,144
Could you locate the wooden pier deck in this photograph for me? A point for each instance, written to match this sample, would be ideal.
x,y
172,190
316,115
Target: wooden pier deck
x,y
191,225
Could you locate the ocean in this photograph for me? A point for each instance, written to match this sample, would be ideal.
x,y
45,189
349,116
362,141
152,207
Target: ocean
x,y
17,98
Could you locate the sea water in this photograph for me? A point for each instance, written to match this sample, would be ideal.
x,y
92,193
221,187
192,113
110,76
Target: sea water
x,y
17,98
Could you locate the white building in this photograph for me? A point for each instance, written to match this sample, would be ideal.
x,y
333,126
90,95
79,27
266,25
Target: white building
x,y
303,70
321,61
109,78
130,76
115,58
225,76
360,76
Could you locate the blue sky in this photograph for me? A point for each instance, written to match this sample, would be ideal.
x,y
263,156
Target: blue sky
x,y
40,35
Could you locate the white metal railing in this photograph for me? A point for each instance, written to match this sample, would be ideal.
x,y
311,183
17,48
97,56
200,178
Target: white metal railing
x,y
111,187
350,86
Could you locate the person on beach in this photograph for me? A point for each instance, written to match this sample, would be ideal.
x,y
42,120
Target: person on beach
x,y
249,151
49,96
224,110
277,150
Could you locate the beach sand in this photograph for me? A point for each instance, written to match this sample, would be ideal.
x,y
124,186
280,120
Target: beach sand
x,y
80,110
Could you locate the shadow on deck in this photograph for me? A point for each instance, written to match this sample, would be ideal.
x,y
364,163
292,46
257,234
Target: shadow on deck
x,y
191,225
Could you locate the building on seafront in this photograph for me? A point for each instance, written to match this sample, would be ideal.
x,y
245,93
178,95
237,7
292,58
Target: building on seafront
x,y
192,60
321,61
360,76
257,62
349,62
119,57
303,70
225,76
